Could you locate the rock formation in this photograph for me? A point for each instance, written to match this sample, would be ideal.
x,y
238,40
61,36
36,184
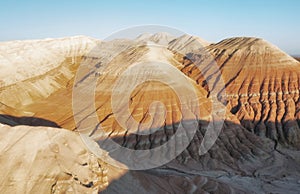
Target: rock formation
x,y
47,160
186,44
36,69
162,38
149,85
261,84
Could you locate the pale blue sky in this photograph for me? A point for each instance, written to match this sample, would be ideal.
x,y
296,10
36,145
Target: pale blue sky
x,y
274,20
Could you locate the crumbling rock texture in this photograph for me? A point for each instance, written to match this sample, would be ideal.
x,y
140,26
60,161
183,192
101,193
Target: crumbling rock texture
x,y
47,160
261,85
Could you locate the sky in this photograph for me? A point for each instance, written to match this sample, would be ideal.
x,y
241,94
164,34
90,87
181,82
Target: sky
x,y
277,21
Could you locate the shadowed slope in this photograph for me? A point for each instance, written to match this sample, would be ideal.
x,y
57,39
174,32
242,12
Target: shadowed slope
x,y
237,160
30,121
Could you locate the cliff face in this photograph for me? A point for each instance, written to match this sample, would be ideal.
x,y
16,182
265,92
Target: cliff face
x,y
261,86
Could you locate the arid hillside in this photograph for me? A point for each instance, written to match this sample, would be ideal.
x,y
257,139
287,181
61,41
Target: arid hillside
x,y
261,85
60,96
